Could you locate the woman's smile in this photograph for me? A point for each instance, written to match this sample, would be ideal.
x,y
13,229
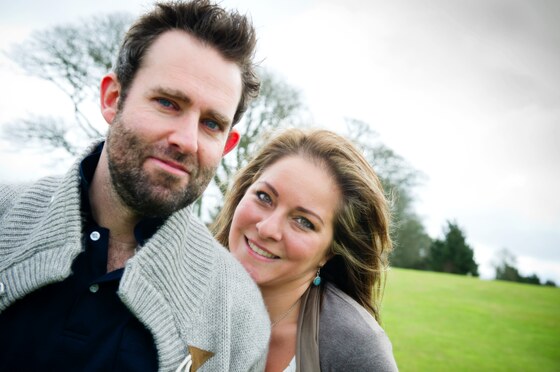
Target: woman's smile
x,y
259,251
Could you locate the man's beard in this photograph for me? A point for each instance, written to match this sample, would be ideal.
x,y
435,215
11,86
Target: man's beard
x,y
151,195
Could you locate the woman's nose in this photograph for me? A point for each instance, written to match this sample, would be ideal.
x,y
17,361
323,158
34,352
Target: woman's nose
x,y
270,227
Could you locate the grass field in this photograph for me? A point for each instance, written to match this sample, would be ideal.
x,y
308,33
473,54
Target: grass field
x,y
443,322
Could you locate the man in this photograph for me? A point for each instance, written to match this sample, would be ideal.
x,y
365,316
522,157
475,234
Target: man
x,y
106,268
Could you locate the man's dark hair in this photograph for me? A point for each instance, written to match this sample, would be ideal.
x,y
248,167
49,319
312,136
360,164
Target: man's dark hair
x,y
231,33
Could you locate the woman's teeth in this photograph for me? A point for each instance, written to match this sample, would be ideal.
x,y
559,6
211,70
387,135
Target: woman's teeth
x,y
259,251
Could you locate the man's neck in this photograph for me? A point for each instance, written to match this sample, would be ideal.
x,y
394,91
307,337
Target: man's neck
x,y
118,254
108,211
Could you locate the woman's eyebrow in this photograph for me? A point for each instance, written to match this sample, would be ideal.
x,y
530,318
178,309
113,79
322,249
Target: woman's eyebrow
x,y
308,211
299,208
272,189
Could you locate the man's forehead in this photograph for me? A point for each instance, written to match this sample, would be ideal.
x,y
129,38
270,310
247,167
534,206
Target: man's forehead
x,y
183,66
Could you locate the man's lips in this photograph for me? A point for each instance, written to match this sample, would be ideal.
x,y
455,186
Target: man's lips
x,y
260,251
171,166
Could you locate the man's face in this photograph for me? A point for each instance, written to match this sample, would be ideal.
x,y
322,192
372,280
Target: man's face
x,y
165,144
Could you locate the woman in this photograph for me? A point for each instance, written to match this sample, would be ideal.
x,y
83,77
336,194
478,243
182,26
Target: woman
x,y
308,219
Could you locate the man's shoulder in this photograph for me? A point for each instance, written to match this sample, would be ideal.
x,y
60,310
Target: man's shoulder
x,y
8,195
9,192
230,267
205,239
27,192
232,305
219,263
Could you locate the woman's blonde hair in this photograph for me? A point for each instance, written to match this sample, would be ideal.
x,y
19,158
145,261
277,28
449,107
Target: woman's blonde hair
x,y
361,241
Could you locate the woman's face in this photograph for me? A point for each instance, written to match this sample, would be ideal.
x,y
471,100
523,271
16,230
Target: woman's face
x,y
283,225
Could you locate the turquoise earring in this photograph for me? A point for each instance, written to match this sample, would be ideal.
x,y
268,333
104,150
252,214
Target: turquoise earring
x,y
317,279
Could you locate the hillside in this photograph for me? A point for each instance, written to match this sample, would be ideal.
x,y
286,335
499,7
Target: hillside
x,y
445,322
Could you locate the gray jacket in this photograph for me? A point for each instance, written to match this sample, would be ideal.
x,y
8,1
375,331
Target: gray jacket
x,y
335,333
182,285
350,339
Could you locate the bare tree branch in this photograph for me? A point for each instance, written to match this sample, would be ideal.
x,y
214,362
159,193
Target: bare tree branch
x,y
45,132
73,58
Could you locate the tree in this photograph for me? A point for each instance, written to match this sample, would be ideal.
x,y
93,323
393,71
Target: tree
x,y
452,254
506,269
531,279
399,179
412,243
74,58
506,266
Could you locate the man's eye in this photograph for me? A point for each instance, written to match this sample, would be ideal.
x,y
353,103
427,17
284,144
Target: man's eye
x,y
264,197
305,223
165,103
212,125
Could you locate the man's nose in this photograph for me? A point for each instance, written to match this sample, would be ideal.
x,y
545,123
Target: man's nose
x,y
185,134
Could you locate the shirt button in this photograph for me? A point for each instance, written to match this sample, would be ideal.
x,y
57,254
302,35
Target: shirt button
x,y
94,288
94,236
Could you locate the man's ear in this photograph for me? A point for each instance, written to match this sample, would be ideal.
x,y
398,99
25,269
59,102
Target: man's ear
x,y
110,92
232,141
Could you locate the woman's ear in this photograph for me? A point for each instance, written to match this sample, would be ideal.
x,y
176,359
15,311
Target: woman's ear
x,y
326,259
109,94
232,140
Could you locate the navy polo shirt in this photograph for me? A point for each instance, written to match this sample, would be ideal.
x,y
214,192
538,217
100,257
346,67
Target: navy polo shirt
x,y
79,324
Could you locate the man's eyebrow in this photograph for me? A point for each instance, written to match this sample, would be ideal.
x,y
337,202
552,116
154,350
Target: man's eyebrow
x,y
172,93
180,96
224,120
301,209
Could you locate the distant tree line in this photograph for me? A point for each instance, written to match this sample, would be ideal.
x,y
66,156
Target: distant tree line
x,y
448,254
506,270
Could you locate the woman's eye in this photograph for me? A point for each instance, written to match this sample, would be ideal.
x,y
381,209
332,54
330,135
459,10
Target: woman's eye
x,y
264,197
305,223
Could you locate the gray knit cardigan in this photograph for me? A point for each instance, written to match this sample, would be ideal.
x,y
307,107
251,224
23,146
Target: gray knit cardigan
x,y
182,285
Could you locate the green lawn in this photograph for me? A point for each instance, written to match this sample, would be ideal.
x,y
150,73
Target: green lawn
x,y
443,322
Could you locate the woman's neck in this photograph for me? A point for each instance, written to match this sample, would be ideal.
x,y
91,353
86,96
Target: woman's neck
x,y
282,303
283,307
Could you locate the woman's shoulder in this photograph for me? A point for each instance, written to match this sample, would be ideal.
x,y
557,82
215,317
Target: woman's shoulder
x,y
338,304
349,337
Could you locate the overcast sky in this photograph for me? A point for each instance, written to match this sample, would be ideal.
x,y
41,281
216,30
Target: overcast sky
x,y
467,91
